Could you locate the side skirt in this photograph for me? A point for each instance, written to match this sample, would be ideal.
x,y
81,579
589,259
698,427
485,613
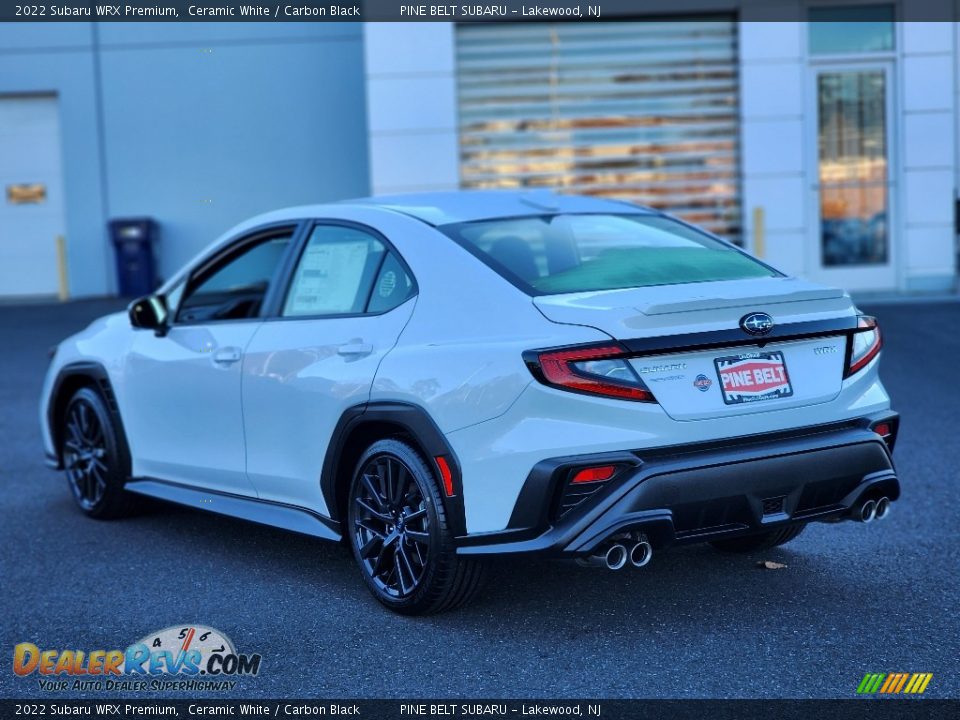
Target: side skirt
x,y
265,512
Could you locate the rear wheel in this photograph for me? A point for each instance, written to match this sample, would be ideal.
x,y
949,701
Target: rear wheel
x,y
94,457
760,541
400,537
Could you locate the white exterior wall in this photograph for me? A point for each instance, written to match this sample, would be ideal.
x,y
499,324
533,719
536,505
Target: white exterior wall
x,y
411,107
773,135
928,159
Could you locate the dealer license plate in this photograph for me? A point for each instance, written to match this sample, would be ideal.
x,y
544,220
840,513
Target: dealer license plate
x,y
753,376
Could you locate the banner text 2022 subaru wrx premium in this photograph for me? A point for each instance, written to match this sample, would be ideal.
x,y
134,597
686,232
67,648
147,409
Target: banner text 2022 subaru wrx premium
x,y
437,378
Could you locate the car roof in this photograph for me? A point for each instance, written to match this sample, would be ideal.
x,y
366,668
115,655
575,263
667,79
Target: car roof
x,y
444,208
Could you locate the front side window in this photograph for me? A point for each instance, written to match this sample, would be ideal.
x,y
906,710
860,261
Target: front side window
x,y
235,288
552,254
346,271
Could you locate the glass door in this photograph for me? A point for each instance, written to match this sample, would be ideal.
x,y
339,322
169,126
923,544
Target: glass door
x,y
853,189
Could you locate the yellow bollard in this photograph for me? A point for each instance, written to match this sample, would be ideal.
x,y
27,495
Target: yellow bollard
x,y
63,288
759,232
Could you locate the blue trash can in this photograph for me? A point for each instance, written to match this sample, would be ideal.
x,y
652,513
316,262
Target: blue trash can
x,y
134,241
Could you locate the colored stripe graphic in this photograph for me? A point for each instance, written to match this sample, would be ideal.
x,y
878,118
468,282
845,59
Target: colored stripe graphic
x,y
903,680
918,683
870,683
891,679
894,683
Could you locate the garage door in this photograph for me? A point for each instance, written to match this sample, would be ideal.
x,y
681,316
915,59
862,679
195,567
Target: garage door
x,y
31,208
642,111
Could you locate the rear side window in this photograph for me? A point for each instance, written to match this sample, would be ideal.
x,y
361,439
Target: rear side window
x,y
346,271
554,254
392,286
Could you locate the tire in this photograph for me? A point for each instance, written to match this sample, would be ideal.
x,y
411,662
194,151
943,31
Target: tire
x,y
95,457
759,541
402,540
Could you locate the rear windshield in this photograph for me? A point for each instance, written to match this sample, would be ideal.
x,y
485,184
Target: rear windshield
x,y
553,254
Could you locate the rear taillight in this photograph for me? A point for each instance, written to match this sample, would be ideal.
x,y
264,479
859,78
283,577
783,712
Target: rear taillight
x,y
863,344
594,370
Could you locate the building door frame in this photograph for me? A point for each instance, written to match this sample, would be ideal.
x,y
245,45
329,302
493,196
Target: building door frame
x,y
32,195
856,277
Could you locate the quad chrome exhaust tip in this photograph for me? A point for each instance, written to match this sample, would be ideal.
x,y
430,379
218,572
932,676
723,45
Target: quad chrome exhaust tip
x,y
870,510
635,549
883,508
641,553
616,556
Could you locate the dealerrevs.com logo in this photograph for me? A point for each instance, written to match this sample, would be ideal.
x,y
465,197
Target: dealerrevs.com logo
x,y
180,657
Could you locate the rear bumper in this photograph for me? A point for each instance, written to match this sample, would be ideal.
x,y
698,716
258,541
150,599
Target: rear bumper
x,y
694,494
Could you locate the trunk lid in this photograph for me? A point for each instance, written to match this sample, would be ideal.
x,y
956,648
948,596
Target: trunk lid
x,y
699,384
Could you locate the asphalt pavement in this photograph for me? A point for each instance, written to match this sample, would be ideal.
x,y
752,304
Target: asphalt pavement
x,y
852,599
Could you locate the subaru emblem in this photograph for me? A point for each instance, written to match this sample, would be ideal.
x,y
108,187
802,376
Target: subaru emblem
x,y
757,323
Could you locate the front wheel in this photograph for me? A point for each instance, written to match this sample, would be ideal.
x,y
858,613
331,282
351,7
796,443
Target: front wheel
x,y
400,537
94,457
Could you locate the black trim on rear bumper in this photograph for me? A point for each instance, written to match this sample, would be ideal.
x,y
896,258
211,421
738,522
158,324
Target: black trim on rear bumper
x,y
701,492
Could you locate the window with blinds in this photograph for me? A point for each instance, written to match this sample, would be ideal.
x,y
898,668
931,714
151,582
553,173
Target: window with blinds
x,y
640,111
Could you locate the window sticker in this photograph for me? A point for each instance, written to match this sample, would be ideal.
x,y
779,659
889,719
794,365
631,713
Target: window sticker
x,y
328,278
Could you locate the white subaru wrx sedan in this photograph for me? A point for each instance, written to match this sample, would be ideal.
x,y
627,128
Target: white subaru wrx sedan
x,y
438,378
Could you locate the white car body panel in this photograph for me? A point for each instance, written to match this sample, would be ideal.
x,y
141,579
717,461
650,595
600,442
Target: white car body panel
x,y
547,423
297,384
181,405
621,314
814,369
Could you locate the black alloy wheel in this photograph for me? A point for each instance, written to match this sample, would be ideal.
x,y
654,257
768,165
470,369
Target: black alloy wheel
x,y
391,526
85,454
93,456
398,531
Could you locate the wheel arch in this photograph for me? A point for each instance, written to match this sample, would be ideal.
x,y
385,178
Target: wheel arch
x,y
70,379
363,424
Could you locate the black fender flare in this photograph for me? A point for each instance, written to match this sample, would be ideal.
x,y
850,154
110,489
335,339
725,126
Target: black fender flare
x,y
413,421
92,373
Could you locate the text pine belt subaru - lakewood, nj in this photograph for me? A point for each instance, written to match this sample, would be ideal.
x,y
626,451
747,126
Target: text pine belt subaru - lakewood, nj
x,y
442,377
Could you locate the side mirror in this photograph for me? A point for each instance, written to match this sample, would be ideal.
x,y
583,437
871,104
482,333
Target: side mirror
x,y
149,313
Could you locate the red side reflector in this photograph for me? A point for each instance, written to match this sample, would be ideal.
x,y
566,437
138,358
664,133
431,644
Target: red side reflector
x,y
594,474
445,475
883,429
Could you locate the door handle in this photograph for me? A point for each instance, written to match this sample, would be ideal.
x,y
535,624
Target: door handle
x,y
355,349
227,355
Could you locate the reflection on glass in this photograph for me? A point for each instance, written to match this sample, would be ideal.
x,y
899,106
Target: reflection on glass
x,y
851,29
853,167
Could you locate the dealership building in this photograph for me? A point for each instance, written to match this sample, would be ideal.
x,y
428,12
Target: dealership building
x,y
828,146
